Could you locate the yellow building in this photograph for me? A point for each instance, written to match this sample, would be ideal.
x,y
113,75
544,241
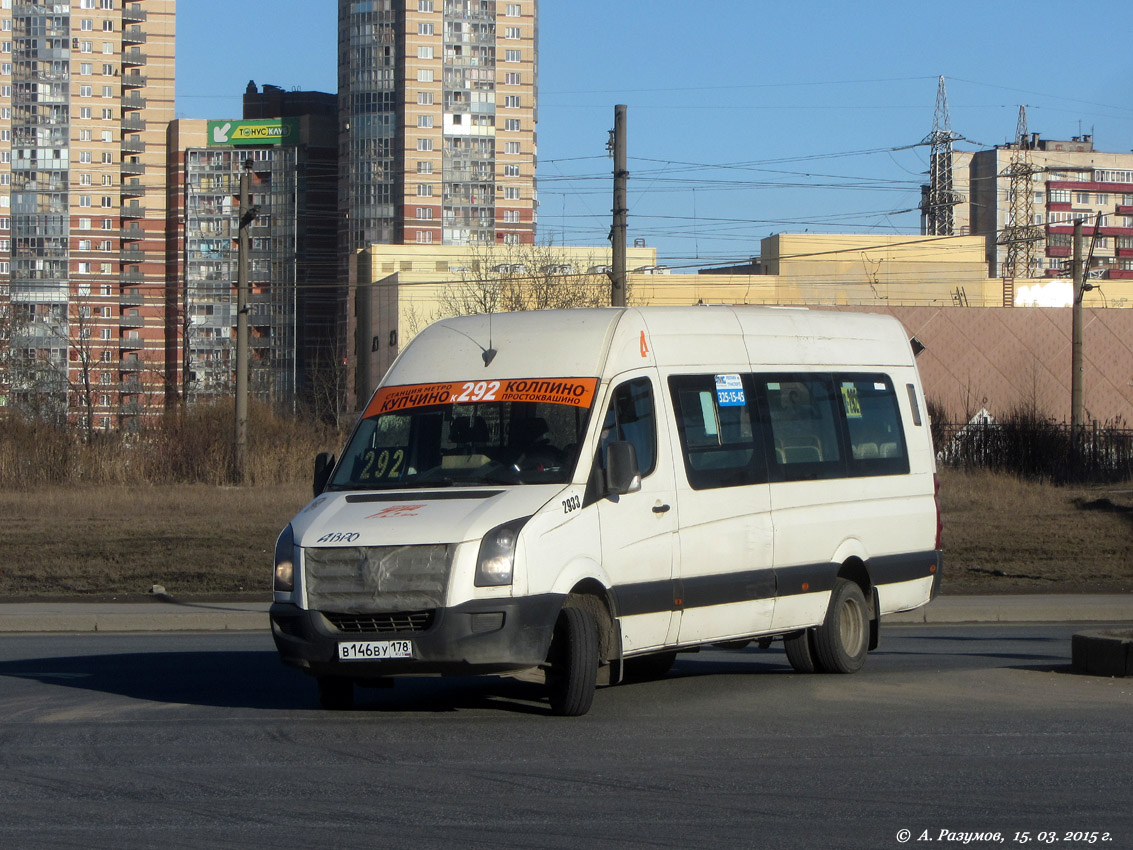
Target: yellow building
x,y
401,288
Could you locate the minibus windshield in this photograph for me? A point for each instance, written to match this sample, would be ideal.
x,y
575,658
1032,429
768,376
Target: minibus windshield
x,y
522,431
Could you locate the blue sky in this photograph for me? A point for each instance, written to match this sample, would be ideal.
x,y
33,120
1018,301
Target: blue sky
x,y
745,117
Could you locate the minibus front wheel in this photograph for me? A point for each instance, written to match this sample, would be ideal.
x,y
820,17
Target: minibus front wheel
x,y
572,663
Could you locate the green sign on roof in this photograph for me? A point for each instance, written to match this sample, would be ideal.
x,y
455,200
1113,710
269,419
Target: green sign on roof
x,y
275,131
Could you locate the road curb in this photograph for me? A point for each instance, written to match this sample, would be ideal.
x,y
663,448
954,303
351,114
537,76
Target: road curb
x,y
173,616
68,617
957,610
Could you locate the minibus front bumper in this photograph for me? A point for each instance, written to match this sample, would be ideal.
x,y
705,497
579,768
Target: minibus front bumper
x,y
480,636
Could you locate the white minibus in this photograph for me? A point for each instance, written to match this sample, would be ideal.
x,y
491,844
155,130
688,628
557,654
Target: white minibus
x,y
575,496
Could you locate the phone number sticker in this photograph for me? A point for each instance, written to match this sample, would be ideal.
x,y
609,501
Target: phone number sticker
x,y
730,391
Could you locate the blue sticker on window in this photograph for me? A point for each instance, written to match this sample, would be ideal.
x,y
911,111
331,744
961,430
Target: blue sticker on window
x,y
730,391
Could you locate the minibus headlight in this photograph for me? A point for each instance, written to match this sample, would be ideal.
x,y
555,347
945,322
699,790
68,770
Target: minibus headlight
x,y
285,561
496,562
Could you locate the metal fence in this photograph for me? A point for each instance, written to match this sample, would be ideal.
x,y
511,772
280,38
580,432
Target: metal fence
x,y
1038,450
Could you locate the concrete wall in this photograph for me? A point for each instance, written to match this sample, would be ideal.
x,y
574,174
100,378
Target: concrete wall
x,y
1000,358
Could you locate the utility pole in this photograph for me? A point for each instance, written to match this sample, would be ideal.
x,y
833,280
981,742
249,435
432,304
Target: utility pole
x,y
247,216
1077,406
618,231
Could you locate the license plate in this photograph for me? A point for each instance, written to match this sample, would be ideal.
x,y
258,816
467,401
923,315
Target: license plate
x,y
374,650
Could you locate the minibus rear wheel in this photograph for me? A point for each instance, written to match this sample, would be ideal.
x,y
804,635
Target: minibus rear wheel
x,y
573,663
842,641
800,651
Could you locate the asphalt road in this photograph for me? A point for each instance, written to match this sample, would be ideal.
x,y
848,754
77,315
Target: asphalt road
x,y
205,741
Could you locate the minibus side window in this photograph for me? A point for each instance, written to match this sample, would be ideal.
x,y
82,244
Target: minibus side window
x,y
804,416
873,423
631,417
719,439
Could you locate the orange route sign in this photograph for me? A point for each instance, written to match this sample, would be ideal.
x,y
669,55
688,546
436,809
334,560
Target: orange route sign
x,y
576,392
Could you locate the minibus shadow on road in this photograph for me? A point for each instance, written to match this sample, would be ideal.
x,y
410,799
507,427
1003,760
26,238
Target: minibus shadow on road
x,y
256,680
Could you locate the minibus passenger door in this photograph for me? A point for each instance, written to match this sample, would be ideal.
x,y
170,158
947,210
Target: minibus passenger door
x,y
726,534
638,528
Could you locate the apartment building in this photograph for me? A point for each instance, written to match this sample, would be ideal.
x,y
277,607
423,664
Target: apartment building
x,y
437,103
293,292
1069,180
86,90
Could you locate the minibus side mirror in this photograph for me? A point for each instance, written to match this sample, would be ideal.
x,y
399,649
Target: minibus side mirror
x,y
622,474
324,465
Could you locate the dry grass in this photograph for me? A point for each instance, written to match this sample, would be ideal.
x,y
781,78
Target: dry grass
x,y
119,540
1005,535
1001,536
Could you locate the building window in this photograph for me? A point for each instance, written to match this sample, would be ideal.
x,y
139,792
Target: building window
x,y
511,147
424,98
424,190
513,56
424,53
424,5
512,79
511,193
511,124
424,167
424,237
425,121
512,33
513,10
425,75
424,29
511,171
86,91
424,213
424,144
512,101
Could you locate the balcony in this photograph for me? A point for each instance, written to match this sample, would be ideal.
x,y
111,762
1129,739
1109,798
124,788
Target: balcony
x,y
133,14
133,168
1124,209
132,233
133,189
133,100
131,298
133,35
1058,250
133,81
131,255
135,343
131,364
133,56
130,386
133,277
131,322
133,123
132,145
133,210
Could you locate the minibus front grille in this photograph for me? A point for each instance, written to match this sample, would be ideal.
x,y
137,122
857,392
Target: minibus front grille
x,y
400,621
376,579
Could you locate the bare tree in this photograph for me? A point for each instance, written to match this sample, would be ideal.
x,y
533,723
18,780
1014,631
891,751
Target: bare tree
x,y
524,277
327,376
